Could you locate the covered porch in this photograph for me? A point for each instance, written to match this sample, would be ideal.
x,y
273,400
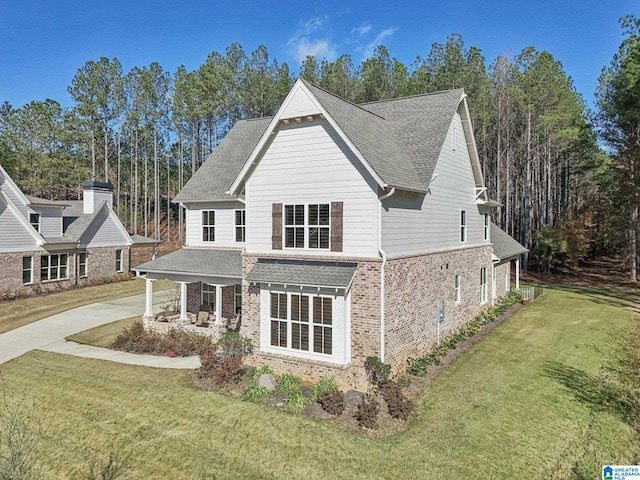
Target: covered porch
x,y
210,291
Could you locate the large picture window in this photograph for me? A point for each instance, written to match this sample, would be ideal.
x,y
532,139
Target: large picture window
x,y
302,322
307,226
209,226
54,267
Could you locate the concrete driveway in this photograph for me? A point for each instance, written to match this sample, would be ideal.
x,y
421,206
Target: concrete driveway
x,y
50,333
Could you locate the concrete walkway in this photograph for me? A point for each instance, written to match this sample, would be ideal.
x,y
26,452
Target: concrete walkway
x,y
49,334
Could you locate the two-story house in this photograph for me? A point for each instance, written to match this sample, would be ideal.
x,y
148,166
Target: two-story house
x,y
48,245
340,231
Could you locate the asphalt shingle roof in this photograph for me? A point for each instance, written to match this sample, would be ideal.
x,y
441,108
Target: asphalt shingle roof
x,y
400,139
505,246
199,261
302,272
216,175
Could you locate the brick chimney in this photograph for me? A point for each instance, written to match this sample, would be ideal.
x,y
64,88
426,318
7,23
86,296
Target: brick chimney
x,y
94,194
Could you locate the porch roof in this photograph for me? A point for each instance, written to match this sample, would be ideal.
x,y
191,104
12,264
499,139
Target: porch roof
x,y
303,272
196,261
505,246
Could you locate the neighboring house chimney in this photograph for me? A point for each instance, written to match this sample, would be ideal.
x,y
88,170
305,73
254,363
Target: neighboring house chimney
x,y
94,194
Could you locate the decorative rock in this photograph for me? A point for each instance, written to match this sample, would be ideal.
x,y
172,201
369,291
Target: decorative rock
x,y
267,381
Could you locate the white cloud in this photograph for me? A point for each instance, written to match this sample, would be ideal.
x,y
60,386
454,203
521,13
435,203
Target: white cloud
x,y
303,43
362,29
367,50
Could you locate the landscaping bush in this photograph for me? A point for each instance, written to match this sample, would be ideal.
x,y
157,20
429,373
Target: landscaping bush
x,y
255,392
325,384
332,401
288,383
297,401
398,404
222,362
136,339
377,370
367,412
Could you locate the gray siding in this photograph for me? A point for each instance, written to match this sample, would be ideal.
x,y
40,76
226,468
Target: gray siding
x,y
14,236
51,222
103,232
225,222
421,223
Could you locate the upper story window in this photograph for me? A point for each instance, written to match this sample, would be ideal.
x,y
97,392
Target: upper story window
x,y
54,267
209,226
34,220
241,221
307,226
463,226
486,226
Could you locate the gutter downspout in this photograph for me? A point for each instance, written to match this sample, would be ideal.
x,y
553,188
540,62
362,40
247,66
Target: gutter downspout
x,y
384,262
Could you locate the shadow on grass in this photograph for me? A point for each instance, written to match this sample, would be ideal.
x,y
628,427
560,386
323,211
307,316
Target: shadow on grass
x,y
587,388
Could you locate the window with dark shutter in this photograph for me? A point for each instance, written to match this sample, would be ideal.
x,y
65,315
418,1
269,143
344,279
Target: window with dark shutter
x,y
336,226
276,226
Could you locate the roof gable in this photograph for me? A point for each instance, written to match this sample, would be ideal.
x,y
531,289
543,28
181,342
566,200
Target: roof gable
x,y
13,209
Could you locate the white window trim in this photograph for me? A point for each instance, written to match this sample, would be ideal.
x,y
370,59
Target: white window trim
x,y
30,269
59,278
242,226
464,226
237,294
486,224
305,226
341,326
483,286
210,226
120,259
86,264
457,288
454,135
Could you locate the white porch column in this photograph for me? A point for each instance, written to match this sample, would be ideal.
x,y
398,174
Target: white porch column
x,y
148,304
183,301
218,304
518,274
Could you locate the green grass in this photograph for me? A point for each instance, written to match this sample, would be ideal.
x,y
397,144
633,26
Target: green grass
x,y
16,313
496,413
103,335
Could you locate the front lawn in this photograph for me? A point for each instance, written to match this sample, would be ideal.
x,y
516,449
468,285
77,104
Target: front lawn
x,y
496,413
16,313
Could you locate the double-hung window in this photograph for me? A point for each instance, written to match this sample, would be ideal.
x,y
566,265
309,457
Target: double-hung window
x,y
237,298
240,225
209,296
34,220
463,226
457,289
209,226
119,261
27,270
307,226
486,226
82,264
483,285
302,322
54,267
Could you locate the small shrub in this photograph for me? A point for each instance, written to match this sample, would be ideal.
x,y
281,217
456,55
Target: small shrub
x,y
325,384
398,404
255,393
170,354
367,412
377,370
288,383
297,401
232,344
332,401
228,370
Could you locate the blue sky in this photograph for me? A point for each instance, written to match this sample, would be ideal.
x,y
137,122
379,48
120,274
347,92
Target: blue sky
x,y
43,43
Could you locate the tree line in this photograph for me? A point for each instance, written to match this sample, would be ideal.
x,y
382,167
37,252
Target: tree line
x,y
147,131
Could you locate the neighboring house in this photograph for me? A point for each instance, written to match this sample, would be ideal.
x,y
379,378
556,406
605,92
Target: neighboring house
x,y
47,245
339,231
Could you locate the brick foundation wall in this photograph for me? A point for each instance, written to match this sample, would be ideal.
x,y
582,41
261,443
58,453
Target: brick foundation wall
x,y
502,270
365,327
415,286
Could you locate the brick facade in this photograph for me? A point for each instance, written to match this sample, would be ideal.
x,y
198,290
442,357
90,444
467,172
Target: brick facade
x,y
416,286
101,263
502,271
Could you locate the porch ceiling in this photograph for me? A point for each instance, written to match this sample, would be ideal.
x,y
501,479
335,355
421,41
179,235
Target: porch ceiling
x,y
303,273
196,261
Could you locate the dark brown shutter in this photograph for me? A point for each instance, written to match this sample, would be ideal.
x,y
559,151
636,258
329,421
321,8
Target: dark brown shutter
x,y
276,226
336,226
